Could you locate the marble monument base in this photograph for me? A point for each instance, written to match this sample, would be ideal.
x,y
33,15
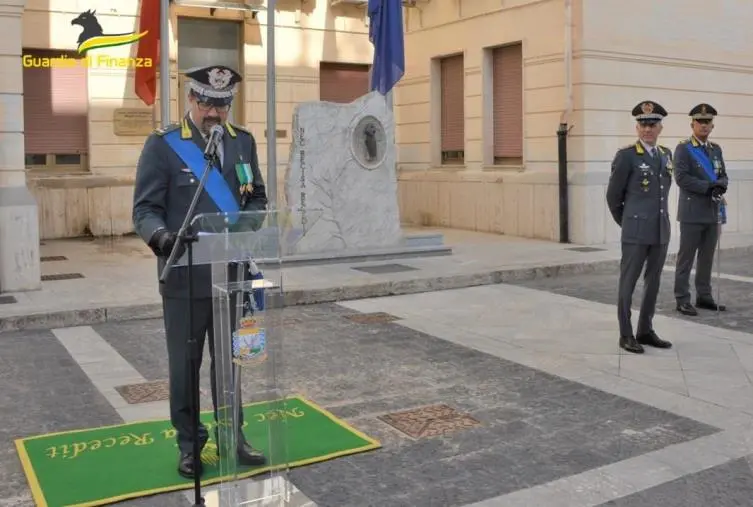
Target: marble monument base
x,y
411,246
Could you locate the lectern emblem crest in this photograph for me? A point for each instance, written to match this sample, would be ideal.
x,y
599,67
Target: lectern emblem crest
x,y
249,342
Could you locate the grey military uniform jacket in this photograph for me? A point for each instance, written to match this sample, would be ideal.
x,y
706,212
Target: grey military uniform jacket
x,y
637,194
164,189
695,205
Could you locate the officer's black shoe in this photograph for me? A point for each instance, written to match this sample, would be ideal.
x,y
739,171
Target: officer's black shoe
x,y
709,304
687,309
630,344
652,340
249,457
185,465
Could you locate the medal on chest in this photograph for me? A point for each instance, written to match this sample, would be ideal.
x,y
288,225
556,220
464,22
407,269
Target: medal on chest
x,y
245,176
645,173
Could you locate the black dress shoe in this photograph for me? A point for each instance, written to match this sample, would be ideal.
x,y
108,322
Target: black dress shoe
x,y
185,465
249,457
707,304
653,340
687,309
630,344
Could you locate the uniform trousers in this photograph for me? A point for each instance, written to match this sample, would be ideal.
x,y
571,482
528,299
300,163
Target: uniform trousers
x,y
177,331
701,239
634,258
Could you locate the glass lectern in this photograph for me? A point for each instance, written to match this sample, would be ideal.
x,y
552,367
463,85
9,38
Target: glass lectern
x,y
245,252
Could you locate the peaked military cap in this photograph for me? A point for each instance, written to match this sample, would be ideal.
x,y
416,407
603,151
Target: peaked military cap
x,y
702,112
215,84
649,111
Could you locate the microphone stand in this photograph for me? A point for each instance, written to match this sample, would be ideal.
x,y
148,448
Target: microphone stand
x,y
187,237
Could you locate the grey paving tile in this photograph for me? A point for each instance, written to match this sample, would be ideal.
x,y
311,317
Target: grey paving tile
x,y
141,343
602,287
42,390
727,485
536,427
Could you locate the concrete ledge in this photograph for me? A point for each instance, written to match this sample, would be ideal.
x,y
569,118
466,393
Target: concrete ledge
x,y
307,296
373,255
118,313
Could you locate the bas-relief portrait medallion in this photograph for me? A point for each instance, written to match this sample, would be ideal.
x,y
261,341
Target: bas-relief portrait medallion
x,y
368,142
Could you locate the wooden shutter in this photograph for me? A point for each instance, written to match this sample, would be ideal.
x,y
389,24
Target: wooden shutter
x,y
508,101
453,104
342,82
56,106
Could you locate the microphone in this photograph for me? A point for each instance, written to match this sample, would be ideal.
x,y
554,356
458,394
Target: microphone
x,y
215,136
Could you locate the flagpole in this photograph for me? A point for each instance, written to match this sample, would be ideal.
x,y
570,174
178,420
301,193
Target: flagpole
x,y
164,61
271,108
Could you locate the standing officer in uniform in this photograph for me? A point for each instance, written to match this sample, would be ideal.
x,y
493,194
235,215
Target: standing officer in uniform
x,y
702,178
165,185
637,198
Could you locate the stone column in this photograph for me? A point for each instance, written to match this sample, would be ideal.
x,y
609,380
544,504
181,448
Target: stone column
x,y
19,223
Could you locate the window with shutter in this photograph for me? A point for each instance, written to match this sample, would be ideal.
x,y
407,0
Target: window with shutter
x,y
452,110
56,113
342,82
507,93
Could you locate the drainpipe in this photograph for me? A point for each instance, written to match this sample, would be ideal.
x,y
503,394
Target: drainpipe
x,y
564,127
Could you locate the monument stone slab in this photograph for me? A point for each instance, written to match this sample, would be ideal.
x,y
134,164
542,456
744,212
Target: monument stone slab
x,y
342,162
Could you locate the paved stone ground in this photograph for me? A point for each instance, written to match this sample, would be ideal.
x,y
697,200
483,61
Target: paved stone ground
x,y
566,419
735,292
728,485
535,427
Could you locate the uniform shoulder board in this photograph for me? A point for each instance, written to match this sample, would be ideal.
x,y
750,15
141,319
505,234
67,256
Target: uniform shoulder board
x,y
712,145
664,149
685,141
240,128
164,130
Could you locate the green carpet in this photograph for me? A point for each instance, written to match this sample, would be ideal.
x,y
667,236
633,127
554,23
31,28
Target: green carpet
x,y
114,463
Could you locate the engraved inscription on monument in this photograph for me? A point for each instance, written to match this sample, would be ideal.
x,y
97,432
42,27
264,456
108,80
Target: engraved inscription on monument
x,y
369,143
132,122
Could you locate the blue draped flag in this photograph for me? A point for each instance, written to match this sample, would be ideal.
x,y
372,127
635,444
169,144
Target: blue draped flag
x,y
386,34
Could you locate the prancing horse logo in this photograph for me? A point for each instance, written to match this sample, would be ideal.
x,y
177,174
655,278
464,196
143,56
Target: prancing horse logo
x,y
93,37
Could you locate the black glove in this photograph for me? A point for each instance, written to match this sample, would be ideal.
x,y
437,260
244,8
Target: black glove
x,y
163,243
716,190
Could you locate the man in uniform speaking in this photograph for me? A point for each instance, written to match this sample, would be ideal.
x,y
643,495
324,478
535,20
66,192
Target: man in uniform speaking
x,y
167,177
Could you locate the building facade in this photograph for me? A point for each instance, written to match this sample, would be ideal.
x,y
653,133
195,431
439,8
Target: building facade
x,y
71,134
488,83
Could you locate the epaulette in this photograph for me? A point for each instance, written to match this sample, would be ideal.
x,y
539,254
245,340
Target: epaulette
x,y
685,141
169,128
240,128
